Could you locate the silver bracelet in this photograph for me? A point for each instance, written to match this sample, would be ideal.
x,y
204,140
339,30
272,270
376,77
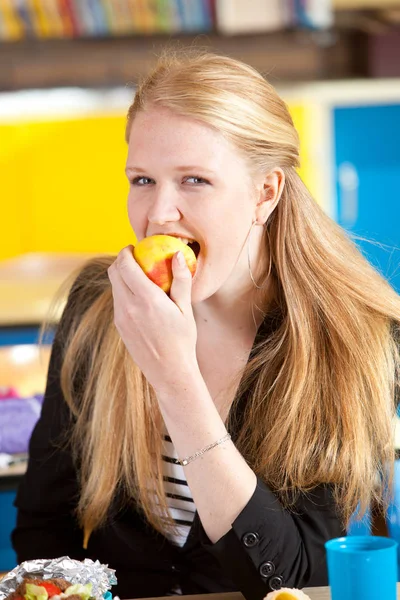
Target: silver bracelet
x,y
189,459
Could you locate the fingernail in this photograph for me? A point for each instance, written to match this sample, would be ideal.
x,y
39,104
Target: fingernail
x,y
181,259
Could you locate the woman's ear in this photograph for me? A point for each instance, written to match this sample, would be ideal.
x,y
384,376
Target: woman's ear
x,y
269,194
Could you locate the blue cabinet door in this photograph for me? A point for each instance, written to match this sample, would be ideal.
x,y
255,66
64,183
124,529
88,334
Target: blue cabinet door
x,y
367,161
8,519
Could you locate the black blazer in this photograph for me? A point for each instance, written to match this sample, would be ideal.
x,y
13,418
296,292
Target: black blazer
x,y
266,548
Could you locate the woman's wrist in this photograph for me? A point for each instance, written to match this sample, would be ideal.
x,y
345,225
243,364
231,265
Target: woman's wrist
x,y
179,381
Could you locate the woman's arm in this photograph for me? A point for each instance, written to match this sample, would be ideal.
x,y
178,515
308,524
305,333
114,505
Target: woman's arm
x,y
160,336
220,480
260,545
270,547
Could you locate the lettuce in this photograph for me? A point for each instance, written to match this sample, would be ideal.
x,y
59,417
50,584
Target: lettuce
x,y
84,591
35,592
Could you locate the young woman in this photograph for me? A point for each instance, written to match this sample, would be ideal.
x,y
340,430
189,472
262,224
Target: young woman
x,y
272,372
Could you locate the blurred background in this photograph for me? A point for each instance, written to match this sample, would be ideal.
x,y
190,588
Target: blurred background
x,y
68,70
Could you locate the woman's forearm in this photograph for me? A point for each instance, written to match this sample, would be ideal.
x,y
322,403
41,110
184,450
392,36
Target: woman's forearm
x,y
220,480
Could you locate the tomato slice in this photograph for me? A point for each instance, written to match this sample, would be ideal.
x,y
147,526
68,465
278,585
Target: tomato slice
x,y
50,588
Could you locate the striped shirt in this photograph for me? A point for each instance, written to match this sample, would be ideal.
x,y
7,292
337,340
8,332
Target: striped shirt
x,y
180,500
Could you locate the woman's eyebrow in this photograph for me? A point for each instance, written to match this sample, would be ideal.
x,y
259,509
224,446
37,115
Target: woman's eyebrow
x,y
129,169
182,168
194,168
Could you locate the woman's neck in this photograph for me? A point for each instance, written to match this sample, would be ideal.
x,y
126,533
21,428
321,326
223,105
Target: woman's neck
x,y
238,314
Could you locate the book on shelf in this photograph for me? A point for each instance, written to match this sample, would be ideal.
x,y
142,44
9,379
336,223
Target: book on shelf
x,y
39,18
11,27
163,16
68,18
99,17
53,15
120,15
313,14
91,18
195,15
145,17
257,16
83,17
24,14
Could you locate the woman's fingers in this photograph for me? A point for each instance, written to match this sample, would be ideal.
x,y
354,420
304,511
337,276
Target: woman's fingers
x,y
118,284
132,275
181,288
130,283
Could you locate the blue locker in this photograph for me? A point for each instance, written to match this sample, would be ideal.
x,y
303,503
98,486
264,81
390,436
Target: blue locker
x,y
367,179
8,518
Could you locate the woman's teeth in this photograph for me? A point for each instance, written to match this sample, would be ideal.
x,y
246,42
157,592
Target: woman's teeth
x,y
184,240
195,246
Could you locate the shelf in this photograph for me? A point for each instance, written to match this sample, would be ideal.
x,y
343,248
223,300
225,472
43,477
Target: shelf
x,y
10,477
28,284
365,4
94,62
16,470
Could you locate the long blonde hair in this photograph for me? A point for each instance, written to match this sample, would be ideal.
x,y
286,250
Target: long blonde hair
x,y
320,390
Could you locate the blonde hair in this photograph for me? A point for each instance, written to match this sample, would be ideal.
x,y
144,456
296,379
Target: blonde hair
x,y
320,390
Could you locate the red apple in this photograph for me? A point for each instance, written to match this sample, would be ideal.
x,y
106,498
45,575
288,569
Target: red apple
x,y
154,255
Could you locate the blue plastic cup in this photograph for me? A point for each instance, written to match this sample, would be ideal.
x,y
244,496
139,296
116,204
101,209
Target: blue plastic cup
x,y
362,568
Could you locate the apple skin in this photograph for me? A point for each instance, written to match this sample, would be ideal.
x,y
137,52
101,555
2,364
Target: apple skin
x,y
154,255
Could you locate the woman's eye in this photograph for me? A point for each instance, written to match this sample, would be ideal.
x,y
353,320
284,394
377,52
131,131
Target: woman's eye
x,y
196,180
141,181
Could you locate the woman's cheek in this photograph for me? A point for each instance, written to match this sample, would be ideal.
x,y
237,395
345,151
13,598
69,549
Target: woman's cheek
x,y
137,220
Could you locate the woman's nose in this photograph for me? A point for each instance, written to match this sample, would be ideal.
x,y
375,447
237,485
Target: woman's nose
x,y
164,207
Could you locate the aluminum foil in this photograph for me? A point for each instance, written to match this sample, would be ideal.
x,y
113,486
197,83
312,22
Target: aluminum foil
x,y
74,571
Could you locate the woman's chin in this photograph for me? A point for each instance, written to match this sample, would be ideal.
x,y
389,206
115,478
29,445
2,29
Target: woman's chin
x,y
200,291
198,295
203,289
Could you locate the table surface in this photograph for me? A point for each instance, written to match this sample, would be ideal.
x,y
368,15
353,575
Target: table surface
x,y
321,593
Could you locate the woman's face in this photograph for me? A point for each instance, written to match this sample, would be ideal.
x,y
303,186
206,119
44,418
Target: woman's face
x,y
187,180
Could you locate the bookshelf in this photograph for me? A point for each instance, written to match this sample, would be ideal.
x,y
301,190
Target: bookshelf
x,y
96,43
102,43
95,62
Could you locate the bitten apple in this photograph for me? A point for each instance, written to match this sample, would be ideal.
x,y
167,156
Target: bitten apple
x,y
154,255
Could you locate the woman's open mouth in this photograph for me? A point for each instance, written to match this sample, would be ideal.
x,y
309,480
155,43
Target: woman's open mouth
x,y
193,244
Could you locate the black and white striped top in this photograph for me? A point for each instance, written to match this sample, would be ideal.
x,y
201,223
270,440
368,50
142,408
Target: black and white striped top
x,y
180,501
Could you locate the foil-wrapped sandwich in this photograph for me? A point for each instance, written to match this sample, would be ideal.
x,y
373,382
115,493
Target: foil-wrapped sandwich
x,y
58,579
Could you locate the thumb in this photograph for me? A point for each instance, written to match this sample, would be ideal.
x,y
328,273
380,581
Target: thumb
x,y
181,288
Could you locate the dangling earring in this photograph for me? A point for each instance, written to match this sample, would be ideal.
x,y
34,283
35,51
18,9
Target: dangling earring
x,y
259,287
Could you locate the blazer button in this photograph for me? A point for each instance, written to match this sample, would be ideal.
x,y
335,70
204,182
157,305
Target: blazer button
x,y
267,569
275,583
250,539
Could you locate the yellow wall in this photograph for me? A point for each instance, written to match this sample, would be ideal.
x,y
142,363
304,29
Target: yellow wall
x,y
11,200
62,184
303,121
63,187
